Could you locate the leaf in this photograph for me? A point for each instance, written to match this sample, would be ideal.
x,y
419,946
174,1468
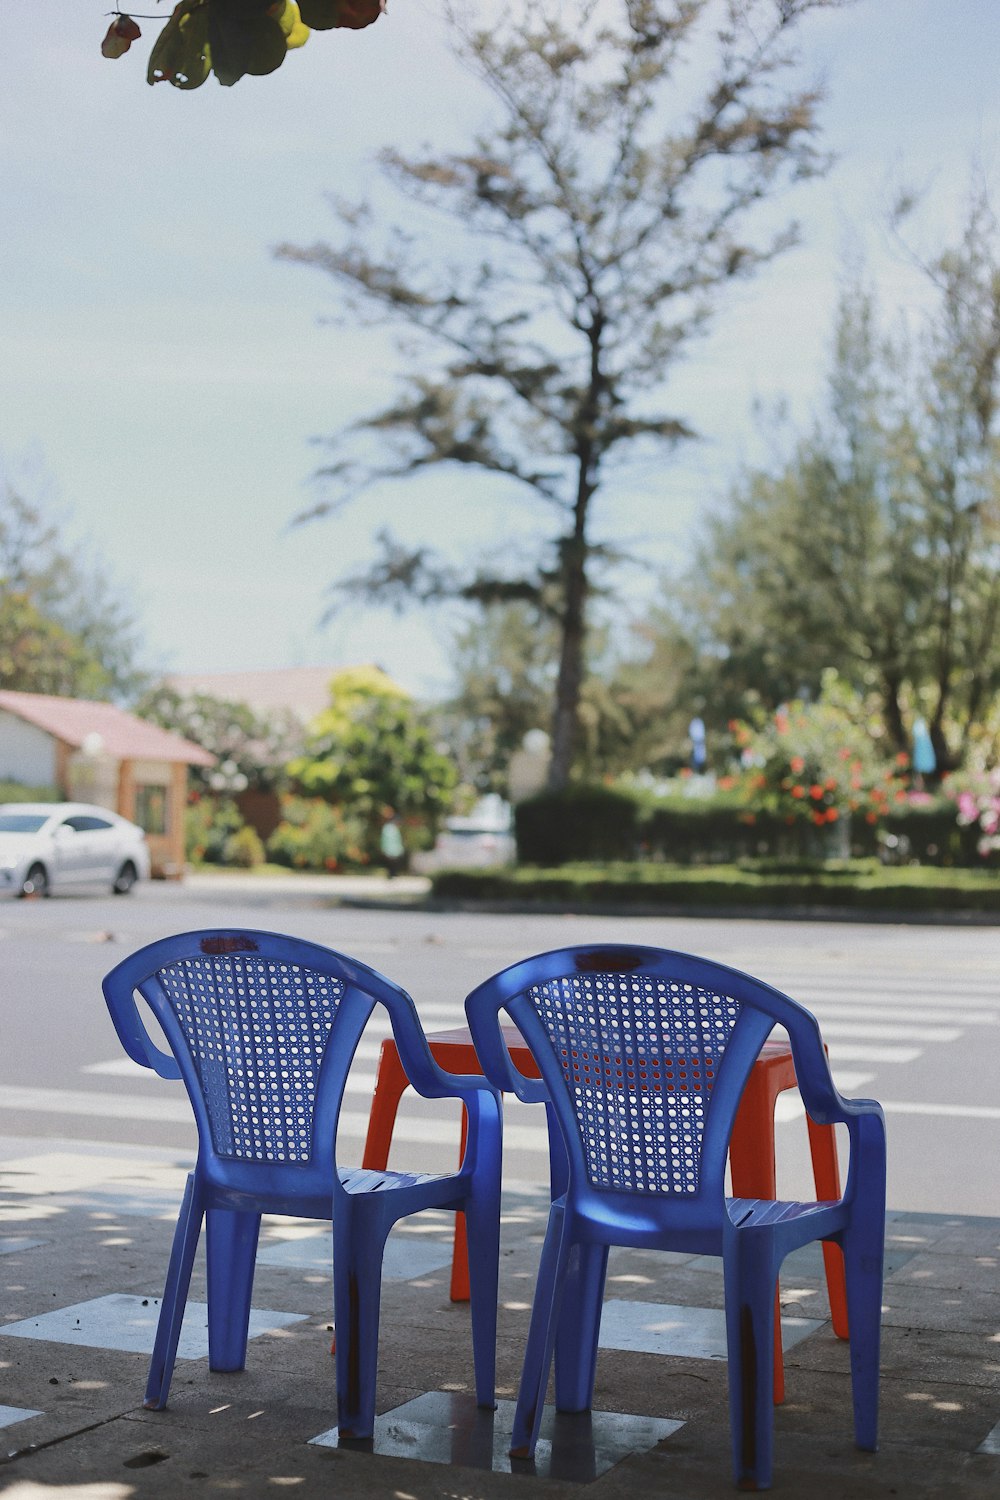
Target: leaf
x,y
181,53
289,18
120,35
242,43
324,15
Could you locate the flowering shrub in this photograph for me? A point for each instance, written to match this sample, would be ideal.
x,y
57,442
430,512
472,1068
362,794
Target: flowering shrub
x,y
977,794
811,763
312,835
209,825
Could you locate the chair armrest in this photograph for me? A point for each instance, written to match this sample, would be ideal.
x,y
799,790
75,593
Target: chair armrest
x,y
120,995
424,1073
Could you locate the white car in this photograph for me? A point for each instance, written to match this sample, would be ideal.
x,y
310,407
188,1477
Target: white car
x,y
47,846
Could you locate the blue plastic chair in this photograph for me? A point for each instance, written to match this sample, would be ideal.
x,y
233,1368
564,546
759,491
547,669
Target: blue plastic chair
x,y
262,1029
643,1056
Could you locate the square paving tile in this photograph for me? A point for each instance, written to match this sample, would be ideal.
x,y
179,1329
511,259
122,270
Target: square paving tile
x,y
991,1443
11,1414
128,1324
690,1332
443,1427
405,1258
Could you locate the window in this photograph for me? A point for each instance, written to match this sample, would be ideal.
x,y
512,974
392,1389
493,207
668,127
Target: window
x,y
151,808
22,822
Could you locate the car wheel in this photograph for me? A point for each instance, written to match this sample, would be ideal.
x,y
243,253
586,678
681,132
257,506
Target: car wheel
x,y
36,882
125,879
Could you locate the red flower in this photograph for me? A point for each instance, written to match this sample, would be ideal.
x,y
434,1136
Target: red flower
x,y
798,791
816,791
797,764
832,815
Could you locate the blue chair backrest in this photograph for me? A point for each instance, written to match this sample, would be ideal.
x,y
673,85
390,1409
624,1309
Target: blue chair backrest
x,y
256,1030
262,1028
644,1054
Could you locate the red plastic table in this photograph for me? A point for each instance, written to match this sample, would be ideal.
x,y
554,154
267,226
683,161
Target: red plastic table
x,y
751,1150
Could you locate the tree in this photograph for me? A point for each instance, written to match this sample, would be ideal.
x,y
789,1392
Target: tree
x,y
251,749
372,754
63,628
503,671
875,549
600,233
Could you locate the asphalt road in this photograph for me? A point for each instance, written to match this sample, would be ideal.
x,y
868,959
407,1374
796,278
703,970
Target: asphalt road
x,y
911,1015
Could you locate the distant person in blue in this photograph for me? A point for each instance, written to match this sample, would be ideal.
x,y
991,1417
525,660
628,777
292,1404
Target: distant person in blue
x,y
696,734
391,844
924,759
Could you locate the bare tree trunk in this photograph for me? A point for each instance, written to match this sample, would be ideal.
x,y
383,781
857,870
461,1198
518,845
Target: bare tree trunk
x,y
566,712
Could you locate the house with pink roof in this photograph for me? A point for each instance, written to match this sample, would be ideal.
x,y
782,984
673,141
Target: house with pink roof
x,y
96,752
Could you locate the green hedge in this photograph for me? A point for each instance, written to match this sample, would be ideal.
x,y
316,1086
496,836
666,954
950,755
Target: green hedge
x,y
582,822
864,887
603,823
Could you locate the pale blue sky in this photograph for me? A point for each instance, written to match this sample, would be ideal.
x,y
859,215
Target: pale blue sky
x,y
161,374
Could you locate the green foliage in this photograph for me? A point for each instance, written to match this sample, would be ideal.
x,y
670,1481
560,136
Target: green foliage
x,y
233,38
861,887
874,547
312,835
581,822
209,825
251,749
62,628
244,849
16,791
373,753
537,360
503,669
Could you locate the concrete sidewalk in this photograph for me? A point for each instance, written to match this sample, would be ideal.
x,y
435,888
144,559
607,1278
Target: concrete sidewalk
x,y
84,1239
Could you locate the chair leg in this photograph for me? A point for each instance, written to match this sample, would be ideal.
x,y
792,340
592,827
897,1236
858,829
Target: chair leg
x,y
357,1286
751,1282
579,1327
460,1290
541,1336
863,1257
483,1267
752,1167
231,1249
175,1292
826,1174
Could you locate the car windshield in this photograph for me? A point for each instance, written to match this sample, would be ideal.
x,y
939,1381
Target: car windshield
x,y
22,822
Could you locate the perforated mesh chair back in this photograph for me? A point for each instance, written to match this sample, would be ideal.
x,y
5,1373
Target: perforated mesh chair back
x,y
257,1030
639,1055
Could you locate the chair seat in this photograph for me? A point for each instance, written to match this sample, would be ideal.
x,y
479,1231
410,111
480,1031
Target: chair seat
x,y
363,1180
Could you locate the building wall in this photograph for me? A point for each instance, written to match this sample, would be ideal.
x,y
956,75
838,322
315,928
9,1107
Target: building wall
x,y
27,754
168,781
